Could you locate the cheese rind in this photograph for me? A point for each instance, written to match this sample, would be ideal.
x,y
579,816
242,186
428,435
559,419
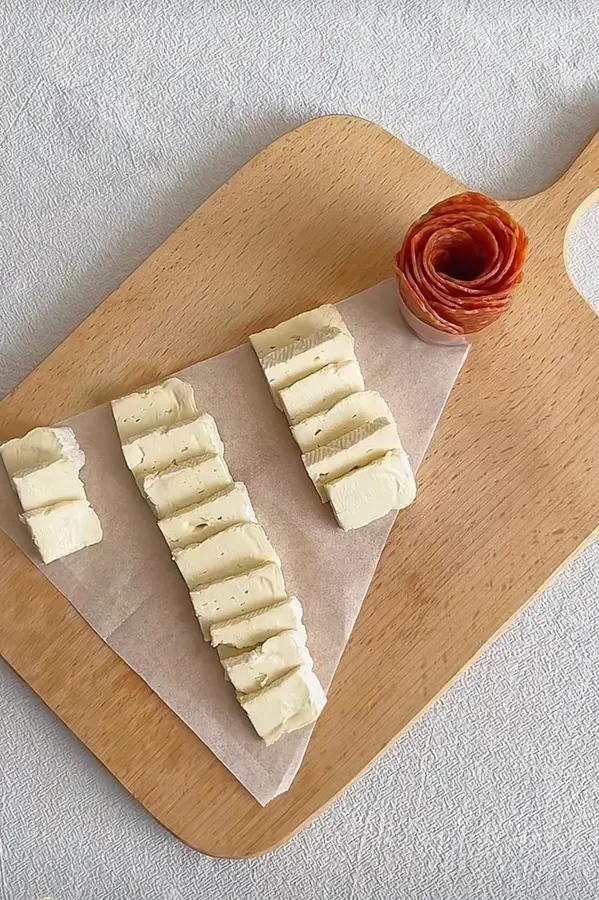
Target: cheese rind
x,y
237,549
369,493
289,703
182,485
356,448
237,595
39,447
321,390
288,364
344,416
254,669
257,626
196,523
48,483
63,528
295,329
157,407
160,448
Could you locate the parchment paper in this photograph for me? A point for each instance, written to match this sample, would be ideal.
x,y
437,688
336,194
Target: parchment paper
x,y
129,590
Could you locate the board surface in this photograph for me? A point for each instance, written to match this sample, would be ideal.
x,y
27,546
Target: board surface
x,y
508,491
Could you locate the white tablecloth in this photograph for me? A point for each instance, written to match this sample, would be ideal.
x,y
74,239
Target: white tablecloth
x,y
117,119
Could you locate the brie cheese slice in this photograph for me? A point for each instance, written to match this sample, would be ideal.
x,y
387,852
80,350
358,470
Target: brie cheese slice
x,y
254,669
291,702
182,485
288,364
237,595
40,446
356,448
320,390
297,328
368,493
168,444
230,552
196,523
256,627
159,406
344,416
63,528
49,483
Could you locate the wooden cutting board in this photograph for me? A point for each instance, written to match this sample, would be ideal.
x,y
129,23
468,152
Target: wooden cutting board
x,y
508,492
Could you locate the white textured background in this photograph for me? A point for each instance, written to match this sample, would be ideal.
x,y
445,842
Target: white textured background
x,y
116,120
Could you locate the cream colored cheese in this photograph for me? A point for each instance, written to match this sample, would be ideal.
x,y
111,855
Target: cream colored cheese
x,y
63,528
160,448
255,627
321,390
40,446
196,523
344,416
356,448
49,483
254,669
368,493
182,485
157,407
291,702
237,549
288,364
239,594
297,328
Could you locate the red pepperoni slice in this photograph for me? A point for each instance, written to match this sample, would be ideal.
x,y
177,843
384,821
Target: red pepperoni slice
x,y
460,263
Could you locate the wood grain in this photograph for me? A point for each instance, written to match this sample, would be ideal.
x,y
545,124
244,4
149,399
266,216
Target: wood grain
x,y
507,493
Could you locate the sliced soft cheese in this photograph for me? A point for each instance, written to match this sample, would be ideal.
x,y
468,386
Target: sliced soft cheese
x,y
320,390
196,523
356,448
229,552
372,491
254,669
182,485
159,406
63,528
297,328
163,446
239,594
344,416
49,483
255,627
291,702
288,364
40,446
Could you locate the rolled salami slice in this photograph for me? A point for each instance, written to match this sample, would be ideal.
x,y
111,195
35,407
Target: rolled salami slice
x,y
460,263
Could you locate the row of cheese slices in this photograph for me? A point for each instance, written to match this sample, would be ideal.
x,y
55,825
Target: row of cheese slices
x,y
350,446
44,468
231,569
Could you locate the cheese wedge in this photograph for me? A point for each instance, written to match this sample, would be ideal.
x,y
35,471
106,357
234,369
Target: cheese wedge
x,y
297,328
257,626
230,552
237,595
196,523
288,364
159,406
39,447
160,448
291,702
356,448
368,493
321,390
182,485
254,669
48,483
344,416
63,528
